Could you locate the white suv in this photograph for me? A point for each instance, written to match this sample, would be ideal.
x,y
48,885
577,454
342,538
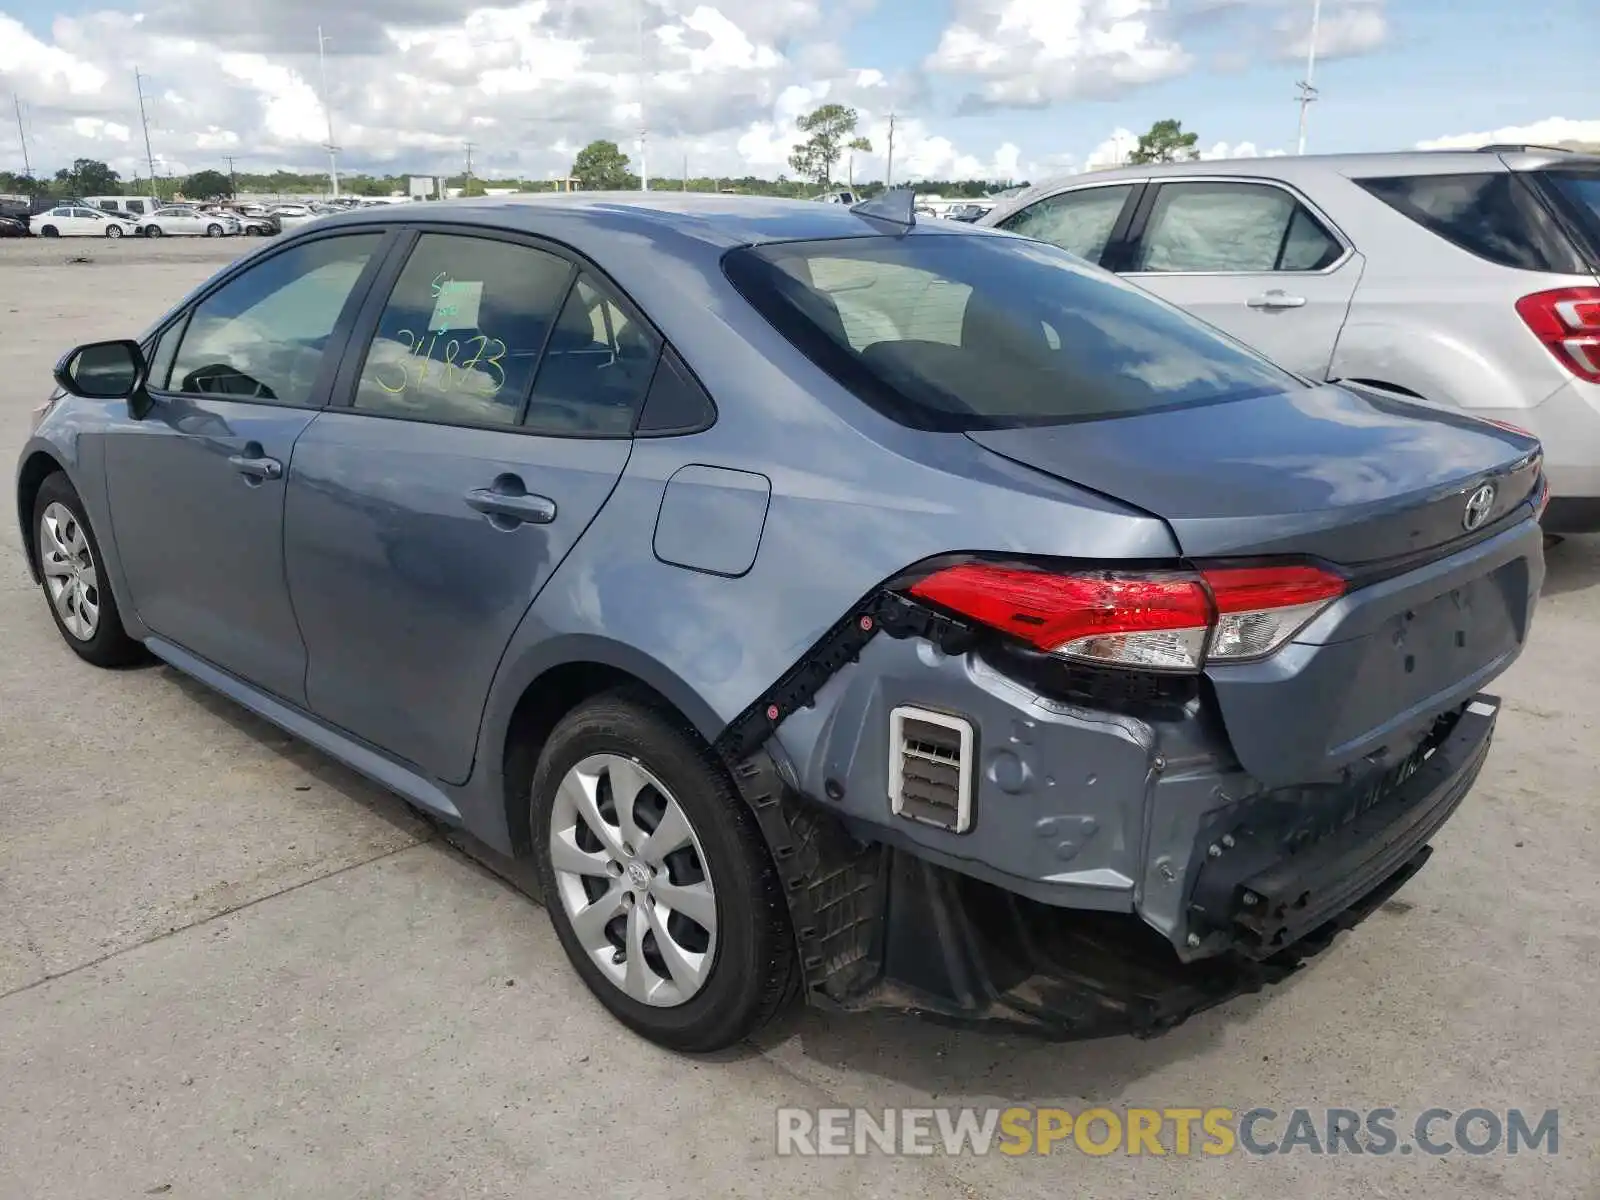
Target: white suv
x,y
1467,278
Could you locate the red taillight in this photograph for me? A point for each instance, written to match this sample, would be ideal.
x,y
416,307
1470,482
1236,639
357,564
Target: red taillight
x,y
1161,620
1567,320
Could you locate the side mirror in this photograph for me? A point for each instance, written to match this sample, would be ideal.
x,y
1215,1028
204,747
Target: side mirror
x,y
103,371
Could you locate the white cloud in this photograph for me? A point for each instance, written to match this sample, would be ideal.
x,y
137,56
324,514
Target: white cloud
x,y
1238,150
1030,53
1344,30
1552,131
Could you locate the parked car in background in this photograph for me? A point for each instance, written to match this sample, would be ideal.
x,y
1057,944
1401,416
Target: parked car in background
x,y
257,226
70,221
132,207
13,227
184,221
1004,643
1470,279
967,212
292,216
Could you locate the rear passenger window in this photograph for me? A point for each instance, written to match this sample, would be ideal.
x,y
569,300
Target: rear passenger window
x,y
1492,215
598,366
462,331
1080,222
1233,227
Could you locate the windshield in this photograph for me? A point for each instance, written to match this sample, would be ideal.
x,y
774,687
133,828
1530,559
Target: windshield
x,y
959,332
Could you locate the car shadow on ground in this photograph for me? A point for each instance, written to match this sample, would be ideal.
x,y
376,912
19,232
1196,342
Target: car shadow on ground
x,y
1571,565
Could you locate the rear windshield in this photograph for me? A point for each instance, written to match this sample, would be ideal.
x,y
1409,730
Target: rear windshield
x,y
955,332
1580,190
1492,214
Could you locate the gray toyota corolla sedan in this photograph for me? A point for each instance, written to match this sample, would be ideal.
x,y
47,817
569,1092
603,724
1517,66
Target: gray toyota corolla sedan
x,y
898,613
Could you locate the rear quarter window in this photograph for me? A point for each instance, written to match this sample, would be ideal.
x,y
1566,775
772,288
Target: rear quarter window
x,y
954,332
1493,215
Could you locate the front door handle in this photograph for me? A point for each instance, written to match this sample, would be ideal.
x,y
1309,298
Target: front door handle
x,y
513,507
256,468
1277,298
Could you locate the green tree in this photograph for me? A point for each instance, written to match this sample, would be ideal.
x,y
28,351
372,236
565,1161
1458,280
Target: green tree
x,y
1166,142
602,167
828,129
207,185
88,177
473,187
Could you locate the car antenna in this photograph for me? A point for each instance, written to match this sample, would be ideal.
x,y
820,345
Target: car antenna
x,y
896,207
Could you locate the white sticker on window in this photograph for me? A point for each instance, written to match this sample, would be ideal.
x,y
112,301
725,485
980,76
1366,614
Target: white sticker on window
x,y
456,305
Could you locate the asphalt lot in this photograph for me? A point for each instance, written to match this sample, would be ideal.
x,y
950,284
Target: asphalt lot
x,y
229,967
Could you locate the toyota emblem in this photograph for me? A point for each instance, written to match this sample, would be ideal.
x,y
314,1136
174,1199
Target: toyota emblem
x,y
1479,505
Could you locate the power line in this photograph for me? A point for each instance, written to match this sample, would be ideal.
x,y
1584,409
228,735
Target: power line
x,y
1308,93
150,159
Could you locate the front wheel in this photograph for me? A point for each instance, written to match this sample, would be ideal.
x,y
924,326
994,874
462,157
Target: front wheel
x,y
49,231
153,231
213,230
656,877
113,231
73,568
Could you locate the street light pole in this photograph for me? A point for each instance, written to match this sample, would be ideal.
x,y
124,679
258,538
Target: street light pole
x,y
150,159
22,133
1308,93
327,109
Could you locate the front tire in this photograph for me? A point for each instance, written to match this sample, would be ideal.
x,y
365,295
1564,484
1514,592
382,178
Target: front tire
x,y
153,231
75,587
113,231
49,231
656,878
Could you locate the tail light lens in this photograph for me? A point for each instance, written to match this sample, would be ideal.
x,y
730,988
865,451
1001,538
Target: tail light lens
x,y
1567,320
1161,620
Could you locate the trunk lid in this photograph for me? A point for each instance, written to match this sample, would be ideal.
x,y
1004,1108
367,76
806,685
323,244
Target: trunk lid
x,y
1376,486
1352,478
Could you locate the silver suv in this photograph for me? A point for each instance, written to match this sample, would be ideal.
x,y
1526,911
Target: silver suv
x,y
1466,278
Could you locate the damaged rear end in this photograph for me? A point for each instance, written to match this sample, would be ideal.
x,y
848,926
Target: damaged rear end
x,y
1097,796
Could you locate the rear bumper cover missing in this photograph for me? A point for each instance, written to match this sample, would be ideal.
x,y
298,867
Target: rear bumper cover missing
x,y
878,927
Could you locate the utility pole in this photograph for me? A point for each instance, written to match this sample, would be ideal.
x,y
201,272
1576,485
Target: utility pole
x,y
466,184
138,83
327,109
888,168
1308,93
686,172
233,182
23,134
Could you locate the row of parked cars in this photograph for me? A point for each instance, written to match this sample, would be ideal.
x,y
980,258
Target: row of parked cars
x,y
140,216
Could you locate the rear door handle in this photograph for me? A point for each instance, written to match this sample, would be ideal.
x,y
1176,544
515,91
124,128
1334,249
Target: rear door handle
x,y
1277,298
513,506
256,468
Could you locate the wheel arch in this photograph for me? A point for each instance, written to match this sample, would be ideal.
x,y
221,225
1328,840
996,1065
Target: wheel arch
x,y
36,468
544,687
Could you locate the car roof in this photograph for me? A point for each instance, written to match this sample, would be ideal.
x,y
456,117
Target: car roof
x,y
1296,167
716,220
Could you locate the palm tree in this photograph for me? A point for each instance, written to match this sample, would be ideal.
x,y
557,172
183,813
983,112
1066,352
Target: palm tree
x,y
863,145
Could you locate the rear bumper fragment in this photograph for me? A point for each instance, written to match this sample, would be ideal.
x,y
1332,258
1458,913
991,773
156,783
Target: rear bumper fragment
x,y
1254,897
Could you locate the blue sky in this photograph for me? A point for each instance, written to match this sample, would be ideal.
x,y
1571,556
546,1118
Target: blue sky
x,y
999,87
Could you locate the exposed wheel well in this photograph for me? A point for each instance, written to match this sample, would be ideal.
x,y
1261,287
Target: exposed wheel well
x,y
544,702
39,467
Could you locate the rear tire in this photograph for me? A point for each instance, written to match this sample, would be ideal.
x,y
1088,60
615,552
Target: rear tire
x,y
75,585
729,963
213,230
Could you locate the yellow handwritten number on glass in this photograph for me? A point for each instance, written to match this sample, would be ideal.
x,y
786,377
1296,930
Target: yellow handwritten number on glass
x,y
405,376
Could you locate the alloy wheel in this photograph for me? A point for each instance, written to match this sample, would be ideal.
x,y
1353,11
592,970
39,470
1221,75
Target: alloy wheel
x,y
70,573
631,877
